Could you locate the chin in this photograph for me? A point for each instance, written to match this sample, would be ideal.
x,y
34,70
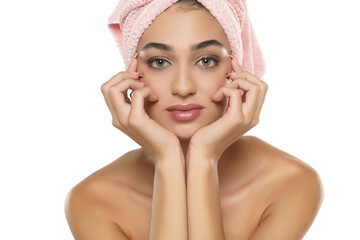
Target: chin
x,y
185,131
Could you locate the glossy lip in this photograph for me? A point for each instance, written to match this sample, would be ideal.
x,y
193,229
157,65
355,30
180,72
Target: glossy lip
x,y
186,107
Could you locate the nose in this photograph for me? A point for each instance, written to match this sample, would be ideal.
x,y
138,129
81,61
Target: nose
x,y
183,83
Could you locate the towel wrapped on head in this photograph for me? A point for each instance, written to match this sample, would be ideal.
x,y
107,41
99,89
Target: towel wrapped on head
x,y
131,18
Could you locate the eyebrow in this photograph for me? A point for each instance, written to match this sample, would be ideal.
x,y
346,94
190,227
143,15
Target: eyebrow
x,y
195,47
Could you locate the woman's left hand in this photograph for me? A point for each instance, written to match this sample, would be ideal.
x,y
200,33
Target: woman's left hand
x,y
246,95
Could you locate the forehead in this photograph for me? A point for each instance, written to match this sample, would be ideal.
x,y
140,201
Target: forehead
x,y
182,28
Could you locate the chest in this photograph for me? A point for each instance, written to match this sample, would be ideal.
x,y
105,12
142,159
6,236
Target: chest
x,y
241,213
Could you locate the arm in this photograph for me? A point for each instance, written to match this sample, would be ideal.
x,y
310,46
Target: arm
x,y
204,212
169,218
288,217
291,214
246,95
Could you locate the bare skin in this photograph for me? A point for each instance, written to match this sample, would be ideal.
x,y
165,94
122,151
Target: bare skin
x,y
249,186
205,180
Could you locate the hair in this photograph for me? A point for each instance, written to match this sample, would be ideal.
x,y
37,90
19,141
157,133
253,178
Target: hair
x,y
190,4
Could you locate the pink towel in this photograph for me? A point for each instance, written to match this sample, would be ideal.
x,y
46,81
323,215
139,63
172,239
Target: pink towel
x,y
131,18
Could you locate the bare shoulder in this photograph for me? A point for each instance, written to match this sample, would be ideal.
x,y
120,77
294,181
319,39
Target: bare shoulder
x,y
278,161
295,193
89,207
282,167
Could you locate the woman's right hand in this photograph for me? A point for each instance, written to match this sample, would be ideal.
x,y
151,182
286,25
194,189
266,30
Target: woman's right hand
x,y
130,116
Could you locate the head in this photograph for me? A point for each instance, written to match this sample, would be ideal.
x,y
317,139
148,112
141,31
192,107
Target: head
x,y
181,68
183,51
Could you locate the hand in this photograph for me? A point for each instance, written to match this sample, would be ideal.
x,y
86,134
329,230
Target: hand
x,y
246,96
130,116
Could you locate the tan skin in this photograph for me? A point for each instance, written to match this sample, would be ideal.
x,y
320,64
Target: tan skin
x,y
221,184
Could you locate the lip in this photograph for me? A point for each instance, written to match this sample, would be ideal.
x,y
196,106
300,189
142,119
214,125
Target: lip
x,y
185,112
186,107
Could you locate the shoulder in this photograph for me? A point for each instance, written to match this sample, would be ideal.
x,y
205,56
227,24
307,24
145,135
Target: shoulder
x,y
295,192
275,159
89,206
283,168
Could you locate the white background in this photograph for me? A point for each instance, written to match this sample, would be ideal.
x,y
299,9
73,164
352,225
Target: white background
x,y
56,129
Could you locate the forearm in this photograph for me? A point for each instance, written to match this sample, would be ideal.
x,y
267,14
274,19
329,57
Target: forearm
x,y
204,211
169,217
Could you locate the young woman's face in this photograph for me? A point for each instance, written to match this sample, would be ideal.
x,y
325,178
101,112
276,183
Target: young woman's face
x,y
180,71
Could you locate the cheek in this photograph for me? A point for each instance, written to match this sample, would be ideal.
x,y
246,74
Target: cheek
x,y
159,86
153,78
212,82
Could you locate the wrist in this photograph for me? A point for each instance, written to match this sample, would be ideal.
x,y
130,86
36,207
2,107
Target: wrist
x,y
201,158
176,158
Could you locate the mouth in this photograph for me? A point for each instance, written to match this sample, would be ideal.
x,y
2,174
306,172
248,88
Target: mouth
x,y
185,112
186,107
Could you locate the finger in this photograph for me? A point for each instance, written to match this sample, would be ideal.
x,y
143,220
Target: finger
x,y
252,97
235,85
240,84
117,78
138,117
119,100
147,94
235,101
133,68
113,81
256,80
133,65
137,110
246,75
236,65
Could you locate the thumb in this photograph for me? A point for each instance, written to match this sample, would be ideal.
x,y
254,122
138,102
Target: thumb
x,y
133,65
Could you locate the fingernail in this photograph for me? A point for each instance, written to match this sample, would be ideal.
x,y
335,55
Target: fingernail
x,y
136,54
231,56
212,99
228,75
141,75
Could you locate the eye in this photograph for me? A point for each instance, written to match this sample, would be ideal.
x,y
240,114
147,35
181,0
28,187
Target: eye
x,y
209,61
157,62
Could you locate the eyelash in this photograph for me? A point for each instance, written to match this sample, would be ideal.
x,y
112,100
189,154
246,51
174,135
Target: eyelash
x,y
150,61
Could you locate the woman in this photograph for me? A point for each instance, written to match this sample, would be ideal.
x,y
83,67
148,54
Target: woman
x,y
196,176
